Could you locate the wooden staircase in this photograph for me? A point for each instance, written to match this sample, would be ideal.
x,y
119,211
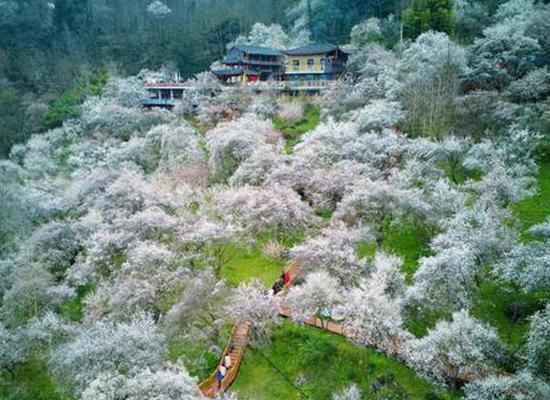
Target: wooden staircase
x,y
239,340
235,348
241,333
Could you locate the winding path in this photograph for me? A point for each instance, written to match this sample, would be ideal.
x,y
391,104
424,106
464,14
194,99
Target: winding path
x,y
239,339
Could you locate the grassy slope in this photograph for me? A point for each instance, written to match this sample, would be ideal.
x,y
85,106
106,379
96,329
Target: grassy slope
x,y
536,209
246,264
327,363
294,130
495,297
29,382
406,241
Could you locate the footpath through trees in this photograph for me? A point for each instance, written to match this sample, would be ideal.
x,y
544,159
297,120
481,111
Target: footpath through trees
x,y
236,347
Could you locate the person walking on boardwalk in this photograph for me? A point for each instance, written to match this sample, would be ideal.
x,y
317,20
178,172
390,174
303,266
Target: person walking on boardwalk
x,y
277,287
227,361
286,278
220,375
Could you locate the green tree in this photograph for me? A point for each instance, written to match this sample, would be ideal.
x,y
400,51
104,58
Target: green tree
x,y
11,120
68,104
424,15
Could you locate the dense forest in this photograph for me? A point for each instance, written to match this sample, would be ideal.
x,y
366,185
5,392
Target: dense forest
x,y
53,53
386,238
61,49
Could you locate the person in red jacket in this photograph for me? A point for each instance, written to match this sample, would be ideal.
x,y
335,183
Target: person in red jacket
x,y
286,278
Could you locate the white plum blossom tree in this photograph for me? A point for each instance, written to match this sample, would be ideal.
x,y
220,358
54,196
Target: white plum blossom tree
x,y
461,349
251,302
267,36
31,290
521,386
334,251
429,80
538,344
107,348
372,310
365,33
200,303
501,54
231,143
173,382
158,9
316,296
210,239
273,208
145,279
352,392
445,280
370,202
380,114
262,167
527,265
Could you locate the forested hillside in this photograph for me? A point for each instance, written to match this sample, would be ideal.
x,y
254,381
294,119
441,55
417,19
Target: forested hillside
x,y
408,204
51,49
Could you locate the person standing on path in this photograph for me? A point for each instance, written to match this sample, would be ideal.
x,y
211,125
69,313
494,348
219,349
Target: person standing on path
x,y
220,375
286,278
227,361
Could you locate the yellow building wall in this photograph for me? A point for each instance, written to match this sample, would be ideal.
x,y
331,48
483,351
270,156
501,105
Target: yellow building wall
x,y
303,67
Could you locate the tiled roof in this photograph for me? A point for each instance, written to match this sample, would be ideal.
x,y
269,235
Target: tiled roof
x,y
264,51
312,48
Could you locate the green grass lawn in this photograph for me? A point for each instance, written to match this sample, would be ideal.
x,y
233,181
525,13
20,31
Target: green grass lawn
x,y
536,209
493,304
294,130
74,309
494,299
248,264
325,363
406,240
30,381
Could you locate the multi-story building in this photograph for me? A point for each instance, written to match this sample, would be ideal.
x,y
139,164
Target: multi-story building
x,y
314,65
244,63
308,69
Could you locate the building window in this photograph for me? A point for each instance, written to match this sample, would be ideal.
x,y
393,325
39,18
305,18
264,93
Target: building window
x,y
323,64
310,64
295,65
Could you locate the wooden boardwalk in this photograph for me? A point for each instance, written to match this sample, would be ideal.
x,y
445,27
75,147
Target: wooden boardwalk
x,y
240,336
235,348
315,321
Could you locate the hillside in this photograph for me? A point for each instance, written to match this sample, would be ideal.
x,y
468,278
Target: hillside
x,y
405,198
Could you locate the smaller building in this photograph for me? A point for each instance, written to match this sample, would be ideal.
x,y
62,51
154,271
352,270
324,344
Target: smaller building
x,y
164,94
314,65
245,63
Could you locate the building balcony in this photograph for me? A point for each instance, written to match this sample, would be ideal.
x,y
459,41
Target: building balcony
x,y
163,103
252,61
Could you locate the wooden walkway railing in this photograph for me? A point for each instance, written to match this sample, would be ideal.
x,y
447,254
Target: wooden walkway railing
x,y
235,349
239,340
315,321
